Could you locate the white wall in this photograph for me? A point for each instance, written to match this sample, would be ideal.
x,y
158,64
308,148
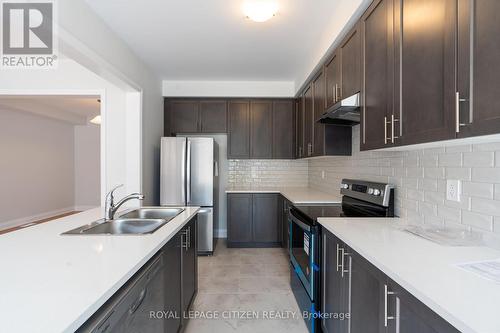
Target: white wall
x,y
228,88
87,160
36,167
72,78
87,39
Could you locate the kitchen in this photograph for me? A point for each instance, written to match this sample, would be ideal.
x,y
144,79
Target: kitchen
x,y
350,186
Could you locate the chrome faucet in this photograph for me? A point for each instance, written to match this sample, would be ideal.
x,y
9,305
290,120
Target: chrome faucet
x,y
111,207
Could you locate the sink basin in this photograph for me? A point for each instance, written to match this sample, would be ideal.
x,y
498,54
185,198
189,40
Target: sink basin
x,y
446,236
164,213
119,227
145,220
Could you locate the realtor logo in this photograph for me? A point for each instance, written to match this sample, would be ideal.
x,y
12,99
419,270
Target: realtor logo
x,y
28,35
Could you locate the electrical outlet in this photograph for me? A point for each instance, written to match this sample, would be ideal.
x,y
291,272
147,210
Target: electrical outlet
x,y
323,174
453,190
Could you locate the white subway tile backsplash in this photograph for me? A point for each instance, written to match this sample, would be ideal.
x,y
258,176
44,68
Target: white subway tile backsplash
x,y
450,160
477,220
486,175
485,206
449,214
479,159
491,146
420,180
481,190
269,173
458,173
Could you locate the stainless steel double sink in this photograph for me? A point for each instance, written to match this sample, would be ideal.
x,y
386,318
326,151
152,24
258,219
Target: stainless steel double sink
x,y
145,220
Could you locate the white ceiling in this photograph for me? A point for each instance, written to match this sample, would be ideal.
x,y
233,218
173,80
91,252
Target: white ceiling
x,y
212,40
75,110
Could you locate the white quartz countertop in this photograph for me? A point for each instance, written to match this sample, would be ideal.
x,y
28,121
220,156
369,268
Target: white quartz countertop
x,y
297,195
53,283
427,270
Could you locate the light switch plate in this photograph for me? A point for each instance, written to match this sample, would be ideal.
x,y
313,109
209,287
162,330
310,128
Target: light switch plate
x,y
453,189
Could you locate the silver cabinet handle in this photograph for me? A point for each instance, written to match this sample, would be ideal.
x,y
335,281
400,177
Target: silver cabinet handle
x,y
339,91
393,121
342,267
336,93
386,295
458,124
334,90
184,241
337,259
189,237
385,130
300,151
188,172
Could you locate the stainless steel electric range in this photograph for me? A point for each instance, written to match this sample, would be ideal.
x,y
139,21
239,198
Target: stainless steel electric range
x,y
359,199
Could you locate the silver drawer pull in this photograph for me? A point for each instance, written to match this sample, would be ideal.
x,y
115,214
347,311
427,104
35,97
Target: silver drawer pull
x,y
386,295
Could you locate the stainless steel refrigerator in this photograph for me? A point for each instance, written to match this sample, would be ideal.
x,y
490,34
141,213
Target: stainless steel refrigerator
x,y
188,178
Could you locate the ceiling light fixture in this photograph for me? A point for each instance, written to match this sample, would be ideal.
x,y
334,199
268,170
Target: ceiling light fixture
x,y
96,120
260,10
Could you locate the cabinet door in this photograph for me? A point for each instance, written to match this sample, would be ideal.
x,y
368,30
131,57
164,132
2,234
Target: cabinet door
x,y
350,64
319,108
332,80
172,285
366,296
283,129
213,116
479,104
265,218
301,151
332,283
261,131
378,74
239,218
239,129
184,116
425,71
308,121
412,316
189,264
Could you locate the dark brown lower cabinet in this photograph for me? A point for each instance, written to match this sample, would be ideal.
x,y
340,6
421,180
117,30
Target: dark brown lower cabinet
x,y
189,276
284,207
252,220
367,299
173,299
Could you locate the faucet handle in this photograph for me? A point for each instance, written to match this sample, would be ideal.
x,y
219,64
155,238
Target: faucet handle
x,y
114,189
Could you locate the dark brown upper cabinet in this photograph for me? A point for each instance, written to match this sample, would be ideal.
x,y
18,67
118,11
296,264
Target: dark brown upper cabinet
x,y
332,80
350,64
284,129
308,121
300,143
184,116
238,129
478,77
195,116
425,71
261,129
377,48
318,87
213,116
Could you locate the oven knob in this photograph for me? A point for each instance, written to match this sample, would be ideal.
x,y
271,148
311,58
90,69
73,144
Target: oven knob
x,y
344,186
370,191
376,192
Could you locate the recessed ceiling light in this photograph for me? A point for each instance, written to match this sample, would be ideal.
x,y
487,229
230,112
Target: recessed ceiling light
x,y
260,10
96,120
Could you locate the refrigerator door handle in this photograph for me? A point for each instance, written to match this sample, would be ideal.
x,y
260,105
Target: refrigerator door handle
x,y
188,172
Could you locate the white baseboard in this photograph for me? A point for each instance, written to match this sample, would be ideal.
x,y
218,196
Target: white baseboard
x,y
220,233
84,208
33,218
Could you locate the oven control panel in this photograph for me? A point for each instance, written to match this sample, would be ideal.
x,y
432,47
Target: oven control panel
x,y
378,193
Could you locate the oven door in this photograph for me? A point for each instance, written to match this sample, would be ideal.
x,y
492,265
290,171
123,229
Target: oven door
x,y
303,238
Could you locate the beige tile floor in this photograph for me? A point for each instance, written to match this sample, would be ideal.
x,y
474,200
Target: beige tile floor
x,y
245,288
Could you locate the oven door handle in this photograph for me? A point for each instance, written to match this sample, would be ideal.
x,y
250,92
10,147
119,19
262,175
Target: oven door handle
x,y
299,222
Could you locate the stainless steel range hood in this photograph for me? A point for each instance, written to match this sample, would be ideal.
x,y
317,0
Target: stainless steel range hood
x,y
345,112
